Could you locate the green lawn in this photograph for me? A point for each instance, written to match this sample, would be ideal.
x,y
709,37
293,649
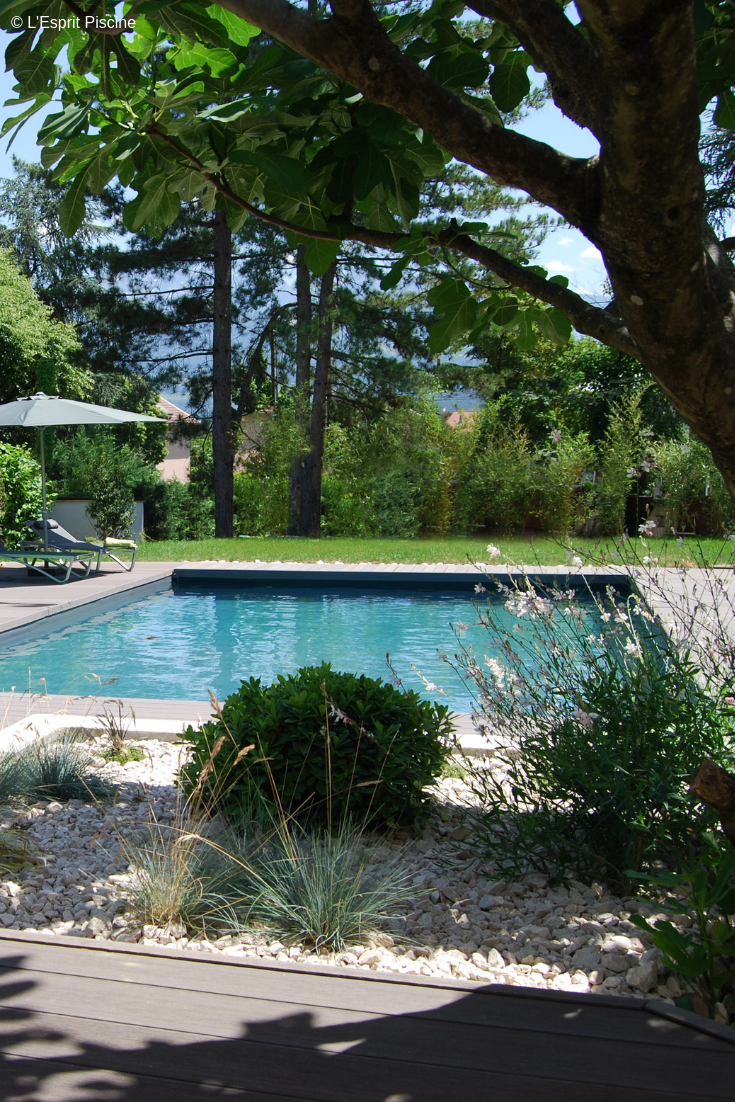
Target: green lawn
x,y
542,551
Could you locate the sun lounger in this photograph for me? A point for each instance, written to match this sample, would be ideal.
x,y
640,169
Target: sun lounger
x,y
60,540
38,561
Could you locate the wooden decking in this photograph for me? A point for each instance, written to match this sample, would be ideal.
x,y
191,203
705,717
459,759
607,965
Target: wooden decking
x,y
92,1022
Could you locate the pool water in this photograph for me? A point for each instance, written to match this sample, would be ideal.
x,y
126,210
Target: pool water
x,y
181,643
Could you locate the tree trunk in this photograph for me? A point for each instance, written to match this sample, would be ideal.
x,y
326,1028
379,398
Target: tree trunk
x,y
716,787
222,443
301,384
311,474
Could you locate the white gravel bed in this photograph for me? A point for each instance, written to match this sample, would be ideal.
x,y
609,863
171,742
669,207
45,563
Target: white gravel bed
x,y
466,923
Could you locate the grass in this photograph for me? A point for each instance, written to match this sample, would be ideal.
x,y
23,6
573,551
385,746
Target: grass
x,y
279,880
50,769
530,550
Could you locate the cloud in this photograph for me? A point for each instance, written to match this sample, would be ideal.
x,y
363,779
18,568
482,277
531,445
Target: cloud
x,y
557,266
565,241
591,253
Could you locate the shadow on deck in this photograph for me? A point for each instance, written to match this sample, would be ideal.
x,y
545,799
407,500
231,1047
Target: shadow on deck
x,y
89,1022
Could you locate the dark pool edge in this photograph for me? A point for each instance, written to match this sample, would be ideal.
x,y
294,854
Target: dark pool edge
x,y
392,577
397,577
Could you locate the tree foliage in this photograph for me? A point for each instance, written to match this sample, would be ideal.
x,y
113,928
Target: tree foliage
x,y
36,352
326,121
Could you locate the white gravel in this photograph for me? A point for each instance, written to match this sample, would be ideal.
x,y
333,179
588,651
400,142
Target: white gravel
x,y
466,923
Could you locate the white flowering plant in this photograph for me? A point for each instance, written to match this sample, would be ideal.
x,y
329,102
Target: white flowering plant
x,y
601,718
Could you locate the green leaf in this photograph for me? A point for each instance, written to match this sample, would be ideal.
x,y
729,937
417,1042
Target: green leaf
x,y
238,31
35,72
68,124
725,111
155,207
393,277
321,254
453,300
506,313
427,155
373,168
227,112
555,325
127,66
216,59
509,81
459,67
526,340
73,208
285,171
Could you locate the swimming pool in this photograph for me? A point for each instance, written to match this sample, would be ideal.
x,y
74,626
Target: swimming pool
x,y
182,642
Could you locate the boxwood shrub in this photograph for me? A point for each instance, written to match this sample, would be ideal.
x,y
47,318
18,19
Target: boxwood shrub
x,y
327,747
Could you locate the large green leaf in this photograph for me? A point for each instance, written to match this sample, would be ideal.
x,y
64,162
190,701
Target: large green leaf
x,y
320,255
285,171
216,59
555,325
725,110
509,82
35,72
454,302
155,207
238,31
69,123
227,112
459,68
72,208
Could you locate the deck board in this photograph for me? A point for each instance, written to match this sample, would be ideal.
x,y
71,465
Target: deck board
x,y
94,1022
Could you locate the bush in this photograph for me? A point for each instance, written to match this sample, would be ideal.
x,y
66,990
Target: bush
x,y
498,484
690,488
175,510
20,492
325,746
602,731
620,452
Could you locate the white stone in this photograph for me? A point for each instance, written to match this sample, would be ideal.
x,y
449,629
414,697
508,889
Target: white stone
x,y
643,976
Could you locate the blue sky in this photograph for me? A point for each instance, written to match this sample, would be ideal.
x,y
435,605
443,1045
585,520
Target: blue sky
x,y
565,251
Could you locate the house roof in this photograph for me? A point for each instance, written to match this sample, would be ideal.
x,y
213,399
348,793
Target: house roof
x,y
175,413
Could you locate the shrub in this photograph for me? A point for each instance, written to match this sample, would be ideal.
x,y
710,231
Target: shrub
x,y
20,492
325,746
704,954
498,483
602,730
175,510
559,470
620,452
112,507
690,488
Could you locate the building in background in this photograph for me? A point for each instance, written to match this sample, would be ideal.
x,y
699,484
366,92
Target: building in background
x,y
177,464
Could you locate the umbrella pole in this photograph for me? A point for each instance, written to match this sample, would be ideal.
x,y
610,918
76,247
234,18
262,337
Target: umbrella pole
x,y
44,513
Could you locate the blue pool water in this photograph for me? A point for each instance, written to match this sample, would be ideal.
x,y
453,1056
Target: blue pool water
x,y
180,644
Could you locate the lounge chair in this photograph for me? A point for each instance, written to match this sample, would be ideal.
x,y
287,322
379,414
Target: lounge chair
x,y
38,561
60,540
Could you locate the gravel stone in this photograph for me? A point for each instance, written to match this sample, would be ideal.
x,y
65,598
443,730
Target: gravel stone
x,y
465,922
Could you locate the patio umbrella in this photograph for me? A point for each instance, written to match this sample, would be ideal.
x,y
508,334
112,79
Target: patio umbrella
x,y
42,411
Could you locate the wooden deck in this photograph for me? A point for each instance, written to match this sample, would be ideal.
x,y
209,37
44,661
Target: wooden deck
x,y
87,1022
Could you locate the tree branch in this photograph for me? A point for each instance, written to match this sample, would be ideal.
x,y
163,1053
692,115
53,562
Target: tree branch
x,y
557,46
586,318
354,46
